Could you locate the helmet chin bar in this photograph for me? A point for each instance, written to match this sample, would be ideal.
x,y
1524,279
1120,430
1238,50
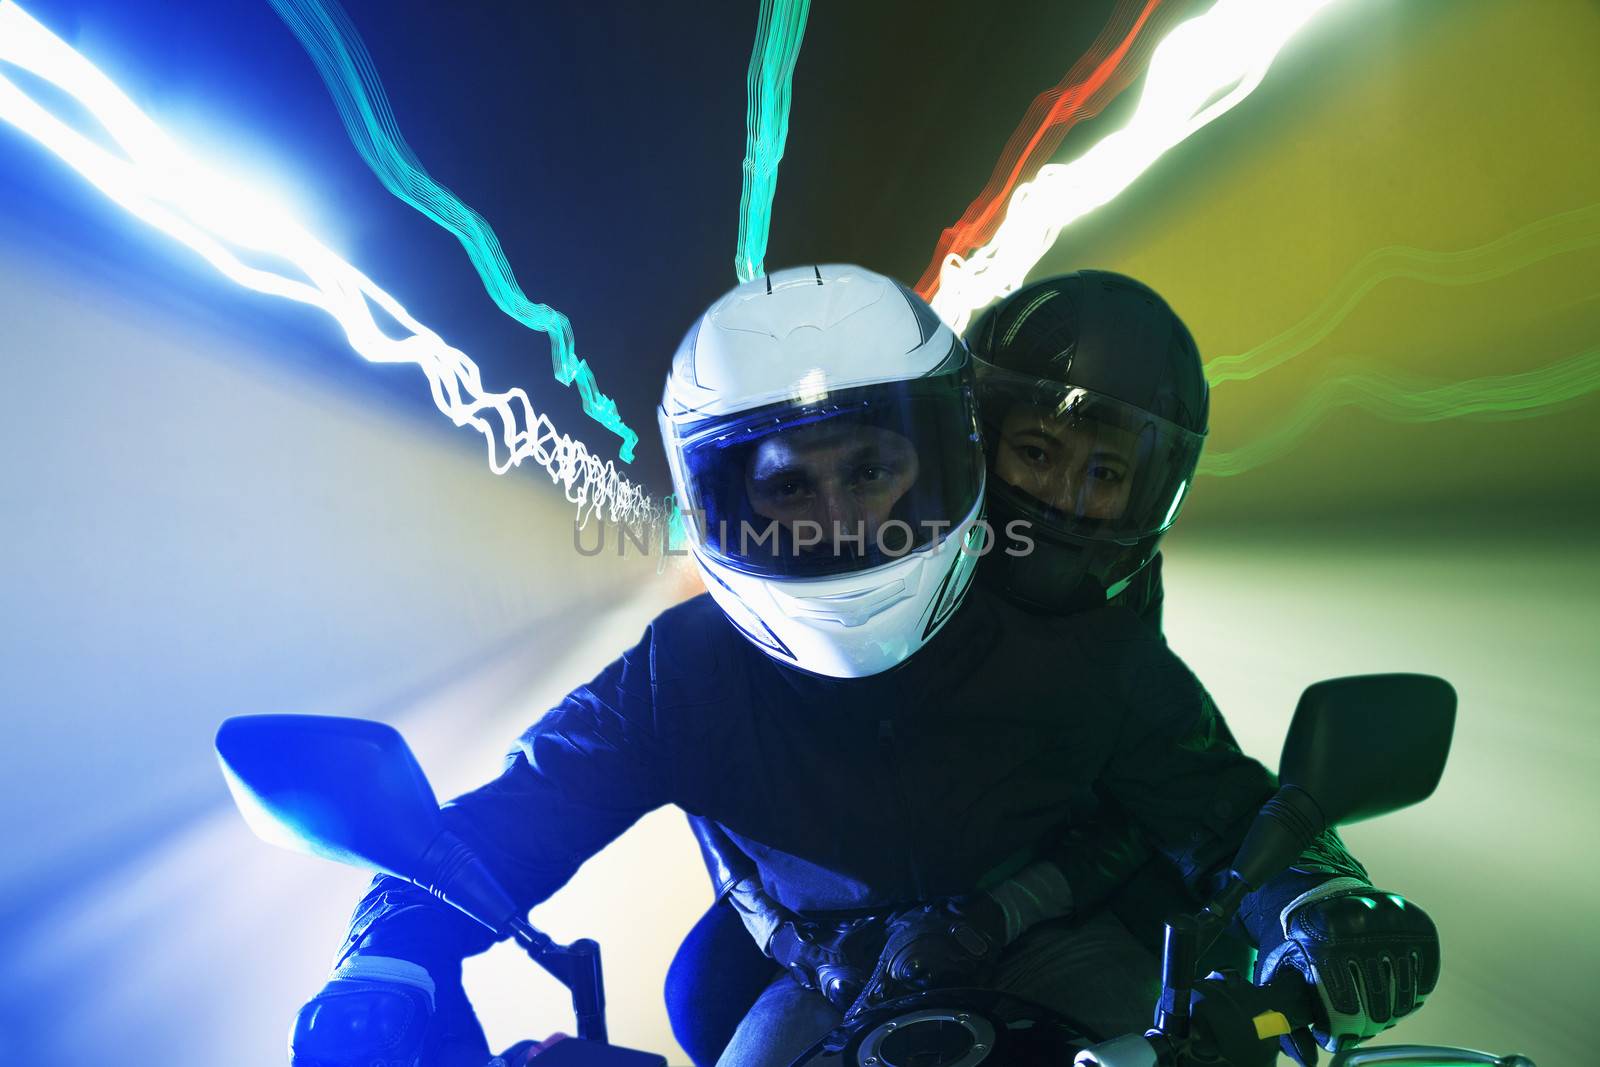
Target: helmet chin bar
x,y
852,625
1061,574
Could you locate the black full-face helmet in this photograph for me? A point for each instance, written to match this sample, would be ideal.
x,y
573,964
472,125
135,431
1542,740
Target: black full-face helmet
x,y
1093,406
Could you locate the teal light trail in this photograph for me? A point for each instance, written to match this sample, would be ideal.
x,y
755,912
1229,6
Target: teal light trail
x,y
769,87
72,109
347,69
1402,398
1523,247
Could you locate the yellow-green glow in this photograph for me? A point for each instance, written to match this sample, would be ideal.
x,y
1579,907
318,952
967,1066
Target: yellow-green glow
x,y
1418,125
1523,247
1403,398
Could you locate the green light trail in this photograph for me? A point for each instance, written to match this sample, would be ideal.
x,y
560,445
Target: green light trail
x,y
769,86
1403,398
347,69
1523,247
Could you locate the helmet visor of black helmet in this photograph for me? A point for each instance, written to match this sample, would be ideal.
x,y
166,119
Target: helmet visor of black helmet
x,y
1092,466
836,483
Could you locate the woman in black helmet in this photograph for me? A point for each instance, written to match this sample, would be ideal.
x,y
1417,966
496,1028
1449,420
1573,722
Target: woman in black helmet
x,y
1094,411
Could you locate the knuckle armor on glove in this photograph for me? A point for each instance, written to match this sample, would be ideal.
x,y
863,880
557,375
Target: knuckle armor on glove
x,y
1372,956
826,960
374,1012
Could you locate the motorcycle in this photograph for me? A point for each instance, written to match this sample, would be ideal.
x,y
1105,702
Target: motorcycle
x,y
350,790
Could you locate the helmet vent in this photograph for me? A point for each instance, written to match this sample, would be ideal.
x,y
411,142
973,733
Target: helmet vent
x,y
926,318
854,608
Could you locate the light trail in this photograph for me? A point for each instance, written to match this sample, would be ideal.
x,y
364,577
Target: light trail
x,y
1403,398
341,58
224,220
768,88
1569,231
1200,71
1117,56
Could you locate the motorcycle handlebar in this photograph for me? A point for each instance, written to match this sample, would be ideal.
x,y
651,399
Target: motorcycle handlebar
x,y
1234,1018
1425,1056
1227,1016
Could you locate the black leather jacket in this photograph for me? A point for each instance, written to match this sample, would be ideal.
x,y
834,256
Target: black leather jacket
x,y
929,780
1111,848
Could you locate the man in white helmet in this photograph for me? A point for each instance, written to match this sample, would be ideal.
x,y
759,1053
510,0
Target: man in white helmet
x,y
823,437
823,442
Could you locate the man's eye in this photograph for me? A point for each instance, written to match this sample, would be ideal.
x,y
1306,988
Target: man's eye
x,y
872,473
783,488
1034,454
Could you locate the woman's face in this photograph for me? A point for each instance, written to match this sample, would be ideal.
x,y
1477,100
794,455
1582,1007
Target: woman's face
x,y
1079,467
845,479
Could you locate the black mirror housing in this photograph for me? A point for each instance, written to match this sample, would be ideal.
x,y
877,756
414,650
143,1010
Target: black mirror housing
x,y
1358,747
1371,744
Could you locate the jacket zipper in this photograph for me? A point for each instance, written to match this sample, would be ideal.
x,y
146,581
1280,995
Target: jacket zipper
x,y
892,766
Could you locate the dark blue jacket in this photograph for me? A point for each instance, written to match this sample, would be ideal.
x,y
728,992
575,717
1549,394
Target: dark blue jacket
x,y
930,780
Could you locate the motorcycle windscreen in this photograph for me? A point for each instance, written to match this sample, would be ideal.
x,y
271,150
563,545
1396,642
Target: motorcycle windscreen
x,y
1090,465
836,483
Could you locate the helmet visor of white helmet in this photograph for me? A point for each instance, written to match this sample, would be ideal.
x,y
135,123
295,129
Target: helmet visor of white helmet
x,y
1087,464
835,483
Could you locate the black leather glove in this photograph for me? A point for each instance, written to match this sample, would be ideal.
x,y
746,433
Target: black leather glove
x,y
832,960
955,942
1372,956
376,1011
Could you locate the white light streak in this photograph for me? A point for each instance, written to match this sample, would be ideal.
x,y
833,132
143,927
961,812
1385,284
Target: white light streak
x,y
1200,71
220,217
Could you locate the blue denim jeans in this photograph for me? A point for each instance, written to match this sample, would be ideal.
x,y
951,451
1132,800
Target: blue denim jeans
x,y
1095,973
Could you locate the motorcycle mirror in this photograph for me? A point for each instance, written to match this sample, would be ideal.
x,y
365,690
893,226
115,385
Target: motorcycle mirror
x,y
1368,745
350,790
1358,747
347,790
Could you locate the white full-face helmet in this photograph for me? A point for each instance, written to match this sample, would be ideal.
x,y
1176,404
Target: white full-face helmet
x,y
824,445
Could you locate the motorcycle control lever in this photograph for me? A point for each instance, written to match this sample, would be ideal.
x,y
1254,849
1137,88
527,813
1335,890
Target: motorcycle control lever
x,y
576,966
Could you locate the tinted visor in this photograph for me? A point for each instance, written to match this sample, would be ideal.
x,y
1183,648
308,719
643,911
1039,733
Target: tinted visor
x,y
1093,466
847,481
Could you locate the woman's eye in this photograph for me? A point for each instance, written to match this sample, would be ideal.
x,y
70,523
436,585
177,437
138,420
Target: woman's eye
x,y
1105,475
1034,454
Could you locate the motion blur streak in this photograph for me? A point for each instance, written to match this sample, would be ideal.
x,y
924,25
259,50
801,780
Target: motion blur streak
x,y
769,86
1199,72
1403,398
1110,65
1523,247
220,217
330,39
